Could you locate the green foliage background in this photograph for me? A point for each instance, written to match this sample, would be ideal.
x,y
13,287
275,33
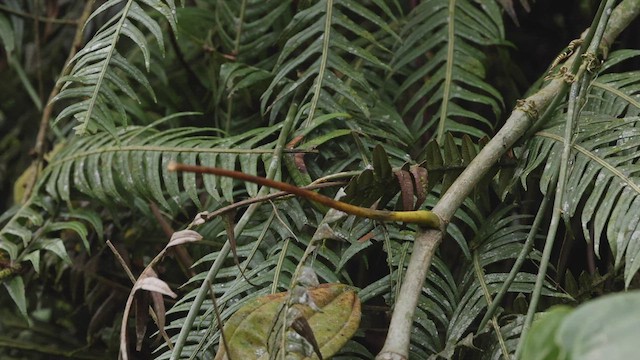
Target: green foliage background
x,y
230,84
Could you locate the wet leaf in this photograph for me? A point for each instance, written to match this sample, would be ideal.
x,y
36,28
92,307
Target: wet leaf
x,y
248,329
381,166
15,288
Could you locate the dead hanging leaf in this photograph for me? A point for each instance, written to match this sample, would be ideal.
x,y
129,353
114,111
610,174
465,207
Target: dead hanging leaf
x,y
200,218
159,309
182,237
406,189
154,284
149,281
156,288
247,331
421,181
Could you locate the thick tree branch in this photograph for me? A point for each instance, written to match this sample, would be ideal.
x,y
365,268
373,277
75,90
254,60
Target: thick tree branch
x,y
396,346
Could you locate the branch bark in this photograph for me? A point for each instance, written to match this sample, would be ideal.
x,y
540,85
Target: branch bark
x,y
396,346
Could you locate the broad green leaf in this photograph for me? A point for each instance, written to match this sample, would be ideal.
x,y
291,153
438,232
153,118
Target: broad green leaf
x,y
607,325
34,258
15,287
540,342
57,247
248,329
6,35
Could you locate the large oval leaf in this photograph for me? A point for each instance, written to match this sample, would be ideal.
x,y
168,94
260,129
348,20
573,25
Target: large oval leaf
x,y
248,329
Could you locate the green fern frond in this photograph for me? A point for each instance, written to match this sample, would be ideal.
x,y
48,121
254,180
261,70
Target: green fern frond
x,y
100,75
247,29
135,164
603,174
510,330
448,91
321,61
34,229
449,305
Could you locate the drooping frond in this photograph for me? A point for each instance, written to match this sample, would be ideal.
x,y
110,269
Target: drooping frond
x,y
441,65
135,163
324,56
33,229
112,171
100,75
30,226
604,184
247,29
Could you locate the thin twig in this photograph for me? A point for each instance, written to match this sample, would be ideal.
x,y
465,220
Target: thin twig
x,y
517,265
593,38
182,254
39,148
152,312
223,337
38,18
121,261
259,199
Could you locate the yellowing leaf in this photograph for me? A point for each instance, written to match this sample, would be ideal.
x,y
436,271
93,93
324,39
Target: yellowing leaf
x,y
248,329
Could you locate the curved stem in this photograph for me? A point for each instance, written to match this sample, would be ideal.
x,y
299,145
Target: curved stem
x,y
422,217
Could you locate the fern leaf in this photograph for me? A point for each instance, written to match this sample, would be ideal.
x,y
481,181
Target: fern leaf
x,y
246,29
450,85
317,59
603,175
112,170
98,72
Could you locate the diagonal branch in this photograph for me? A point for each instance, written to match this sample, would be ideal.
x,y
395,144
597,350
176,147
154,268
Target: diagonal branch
x,y
396,346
